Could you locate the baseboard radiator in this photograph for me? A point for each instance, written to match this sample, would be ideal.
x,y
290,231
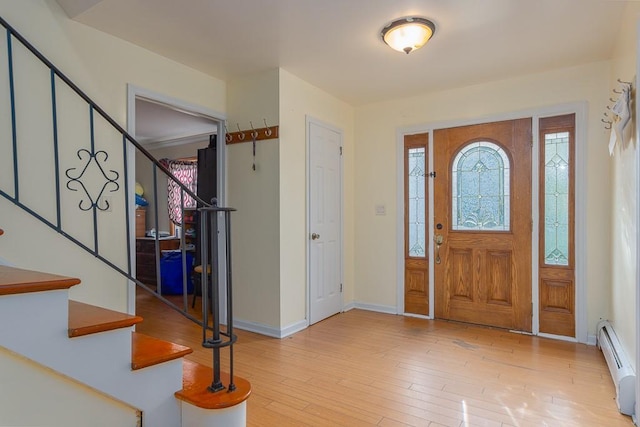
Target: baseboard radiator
x,y
622,373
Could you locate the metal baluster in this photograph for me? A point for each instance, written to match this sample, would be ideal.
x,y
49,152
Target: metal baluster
x,y
126,201
204,276
227,223
56,156
14,135
216,385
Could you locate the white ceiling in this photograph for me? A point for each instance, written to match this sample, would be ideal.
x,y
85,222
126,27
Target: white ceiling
x,y
161,125
335,44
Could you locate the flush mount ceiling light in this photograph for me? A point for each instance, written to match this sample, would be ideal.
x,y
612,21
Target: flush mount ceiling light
x,y
408,34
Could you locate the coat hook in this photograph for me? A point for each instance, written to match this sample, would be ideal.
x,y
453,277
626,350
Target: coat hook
x,y
622,82
254,133
268,131
241,134
227,136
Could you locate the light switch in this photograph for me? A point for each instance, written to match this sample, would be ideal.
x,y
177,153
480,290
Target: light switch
x,y
381,210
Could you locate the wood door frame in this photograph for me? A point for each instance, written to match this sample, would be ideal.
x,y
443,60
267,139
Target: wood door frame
x,y
309,120
580,110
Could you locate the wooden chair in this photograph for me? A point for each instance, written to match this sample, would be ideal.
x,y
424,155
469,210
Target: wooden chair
x,y
197,284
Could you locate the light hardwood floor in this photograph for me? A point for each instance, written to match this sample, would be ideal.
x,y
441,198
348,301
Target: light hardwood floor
x,y
362,368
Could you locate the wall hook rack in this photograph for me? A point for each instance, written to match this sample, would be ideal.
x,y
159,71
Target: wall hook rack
x,y
260,134
619,103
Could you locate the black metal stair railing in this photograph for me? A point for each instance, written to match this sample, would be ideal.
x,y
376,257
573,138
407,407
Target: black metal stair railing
x,y
95,179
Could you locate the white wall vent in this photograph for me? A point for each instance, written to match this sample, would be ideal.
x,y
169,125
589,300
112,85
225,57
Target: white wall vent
x,y
622,373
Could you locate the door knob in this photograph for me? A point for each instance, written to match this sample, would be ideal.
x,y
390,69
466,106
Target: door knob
x,y
315,236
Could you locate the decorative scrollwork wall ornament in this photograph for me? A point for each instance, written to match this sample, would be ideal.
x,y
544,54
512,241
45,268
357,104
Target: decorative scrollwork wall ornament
x,y
109,180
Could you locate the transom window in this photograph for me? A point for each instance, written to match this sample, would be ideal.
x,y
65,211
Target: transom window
x,y
480,188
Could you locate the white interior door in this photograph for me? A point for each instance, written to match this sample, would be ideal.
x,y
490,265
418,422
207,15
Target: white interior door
x,y
325,212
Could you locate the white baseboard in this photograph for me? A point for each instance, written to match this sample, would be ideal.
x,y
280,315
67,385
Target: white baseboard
x,y
349,306
388,309
293,328
270,331
557,337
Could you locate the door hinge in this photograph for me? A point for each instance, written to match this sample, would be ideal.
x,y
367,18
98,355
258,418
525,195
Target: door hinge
x,y
341,151
430,174
340,287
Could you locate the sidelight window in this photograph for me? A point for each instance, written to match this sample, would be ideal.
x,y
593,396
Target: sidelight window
x,y
417,168
556,198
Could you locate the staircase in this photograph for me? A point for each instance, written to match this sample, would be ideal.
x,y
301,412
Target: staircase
x,y
70,174
98,348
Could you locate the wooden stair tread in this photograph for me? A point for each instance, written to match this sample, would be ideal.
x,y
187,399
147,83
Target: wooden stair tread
x,y
147,351
18,281
197,378
87,319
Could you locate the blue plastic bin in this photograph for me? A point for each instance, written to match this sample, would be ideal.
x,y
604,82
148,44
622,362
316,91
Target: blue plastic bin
x,y
171,272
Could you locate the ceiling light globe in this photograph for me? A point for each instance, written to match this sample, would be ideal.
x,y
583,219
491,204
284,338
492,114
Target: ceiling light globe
x,y
408,34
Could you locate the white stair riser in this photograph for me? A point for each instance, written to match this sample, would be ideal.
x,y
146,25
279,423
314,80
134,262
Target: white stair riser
x,y
41,313
35,325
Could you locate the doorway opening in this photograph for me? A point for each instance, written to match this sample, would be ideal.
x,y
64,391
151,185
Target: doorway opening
x,y
179,134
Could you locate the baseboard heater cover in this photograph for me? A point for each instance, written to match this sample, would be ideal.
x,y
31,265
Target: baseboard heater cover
x,y
622,373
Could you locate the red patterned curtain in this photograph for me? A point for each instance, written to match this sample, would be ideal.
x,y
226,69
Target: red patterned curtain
x,y
187,173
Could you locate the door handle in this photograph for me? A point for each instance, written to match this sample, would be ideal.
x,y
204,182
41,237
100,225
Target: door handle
x,y
438,239
315,236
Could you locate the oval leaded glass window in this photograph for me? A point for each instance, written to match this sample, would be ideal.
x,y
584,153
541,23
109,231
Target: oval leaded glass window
x,y
480,188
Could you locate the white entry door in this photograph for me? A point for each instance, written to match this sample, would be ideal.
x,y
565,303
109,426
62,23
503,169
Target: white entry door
x,y
325,211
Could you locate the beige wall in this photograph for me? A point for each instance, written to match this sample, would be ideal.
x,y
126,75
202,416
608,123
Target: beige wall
x,y
624,190
375,168
298,100
269,227
103,66
256,196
